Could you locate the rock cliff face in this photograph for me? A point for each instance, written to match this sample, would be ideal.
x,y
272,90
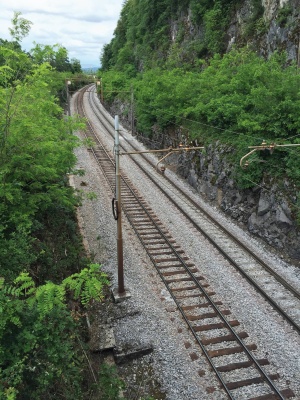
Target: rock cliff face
x,y
265,210
282,19
278,28
265,25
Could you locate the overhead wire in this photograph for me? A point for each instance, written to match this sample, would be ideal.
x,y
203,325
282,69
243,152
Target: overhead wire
x,y
262,186
251,136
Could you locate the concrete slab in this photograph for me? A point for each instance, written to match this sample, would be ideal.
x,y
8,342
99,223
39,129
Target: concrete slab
x,y
103,340
119,297
121,357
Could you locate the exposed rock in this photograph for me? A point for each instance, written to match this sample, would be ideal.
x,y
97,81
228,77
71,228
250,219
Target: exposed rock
x,y
271,7
264,210
280,33
283,221
264,204
244,12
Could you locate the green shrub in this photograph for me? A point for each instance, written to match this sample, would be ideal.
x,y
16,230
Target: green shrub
x,y
110,384
39,334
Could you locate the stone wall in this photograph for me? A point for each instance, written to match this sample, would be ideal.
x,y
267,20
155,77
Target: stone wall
x,y
265,210
278,29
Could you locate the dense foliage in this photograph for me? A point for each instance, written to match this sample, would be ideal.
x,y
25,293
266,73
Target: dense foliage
x,y
186,85
238,99
56,56
36,152
150,33
40,340
47,282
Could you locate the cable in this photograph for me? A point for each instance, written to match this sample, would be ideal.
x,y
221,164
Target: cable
x,y
114,208
215,127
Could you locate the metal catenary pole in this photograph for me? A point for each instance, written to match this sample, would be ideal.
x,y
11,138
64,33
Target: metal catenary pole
x,y
68,82
121,288
132,110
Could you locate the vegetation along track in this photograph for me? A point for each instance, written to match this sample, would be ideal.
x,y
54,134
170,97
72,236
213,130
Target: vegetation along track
x,y
272,286
227,349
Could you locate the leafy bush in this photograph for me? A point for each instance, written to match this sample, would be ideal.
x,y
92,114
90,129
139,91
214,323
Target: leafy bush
x,y
215,22
115,83
39,335
239,99
110,384
36,152
283,14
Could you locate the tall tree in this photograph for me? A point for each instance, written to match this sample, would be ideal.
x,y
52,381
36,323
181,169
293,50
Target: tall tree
x,y
56,56
75,66
20,28
36,151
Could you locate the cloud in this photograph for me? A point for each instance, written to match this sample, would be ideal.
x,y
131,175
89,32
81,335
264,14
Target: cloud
x,y
69,16
81,27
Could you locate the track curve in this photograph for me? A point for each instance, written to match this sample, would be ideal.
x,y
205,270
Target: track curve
x,y
207,318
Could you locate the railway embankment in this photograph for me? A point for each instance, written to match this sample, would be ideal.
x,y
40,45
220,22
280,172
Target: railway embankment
x,y
268,209
150,318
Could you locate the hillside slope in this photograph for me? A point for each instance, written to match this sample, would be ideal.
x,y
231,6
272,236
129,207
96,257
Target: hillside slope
x,y
224,75
152,33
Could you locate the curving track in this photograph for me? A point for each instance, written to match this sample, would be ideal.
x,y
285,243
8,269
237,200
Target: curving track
x,y
227,347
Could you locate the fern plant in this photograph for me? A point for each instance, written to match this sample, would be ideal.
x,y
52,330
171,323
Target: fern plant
x,y
87,284
38,349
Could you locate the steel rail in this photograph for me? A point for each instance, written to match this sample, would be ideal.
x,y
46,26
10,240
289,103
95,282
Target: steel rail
x,y
263,264
196,282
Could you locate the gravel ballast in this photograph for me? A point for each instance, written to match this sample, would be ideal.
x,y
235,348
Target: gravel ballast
x,y
148,319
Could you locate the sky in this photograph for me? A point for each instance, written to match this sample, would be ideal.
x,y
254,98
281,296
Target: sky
x,y
83,27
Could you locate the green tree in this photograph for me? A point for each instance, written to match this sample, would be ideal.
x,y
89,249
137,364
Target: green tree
x,y
56,56
40,350
106,57
20,28
36,151
238,100
75,66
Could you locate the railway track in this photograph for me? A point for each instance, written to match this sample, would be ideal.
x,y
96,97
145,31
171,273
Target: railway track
x,y
281,294
226,346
